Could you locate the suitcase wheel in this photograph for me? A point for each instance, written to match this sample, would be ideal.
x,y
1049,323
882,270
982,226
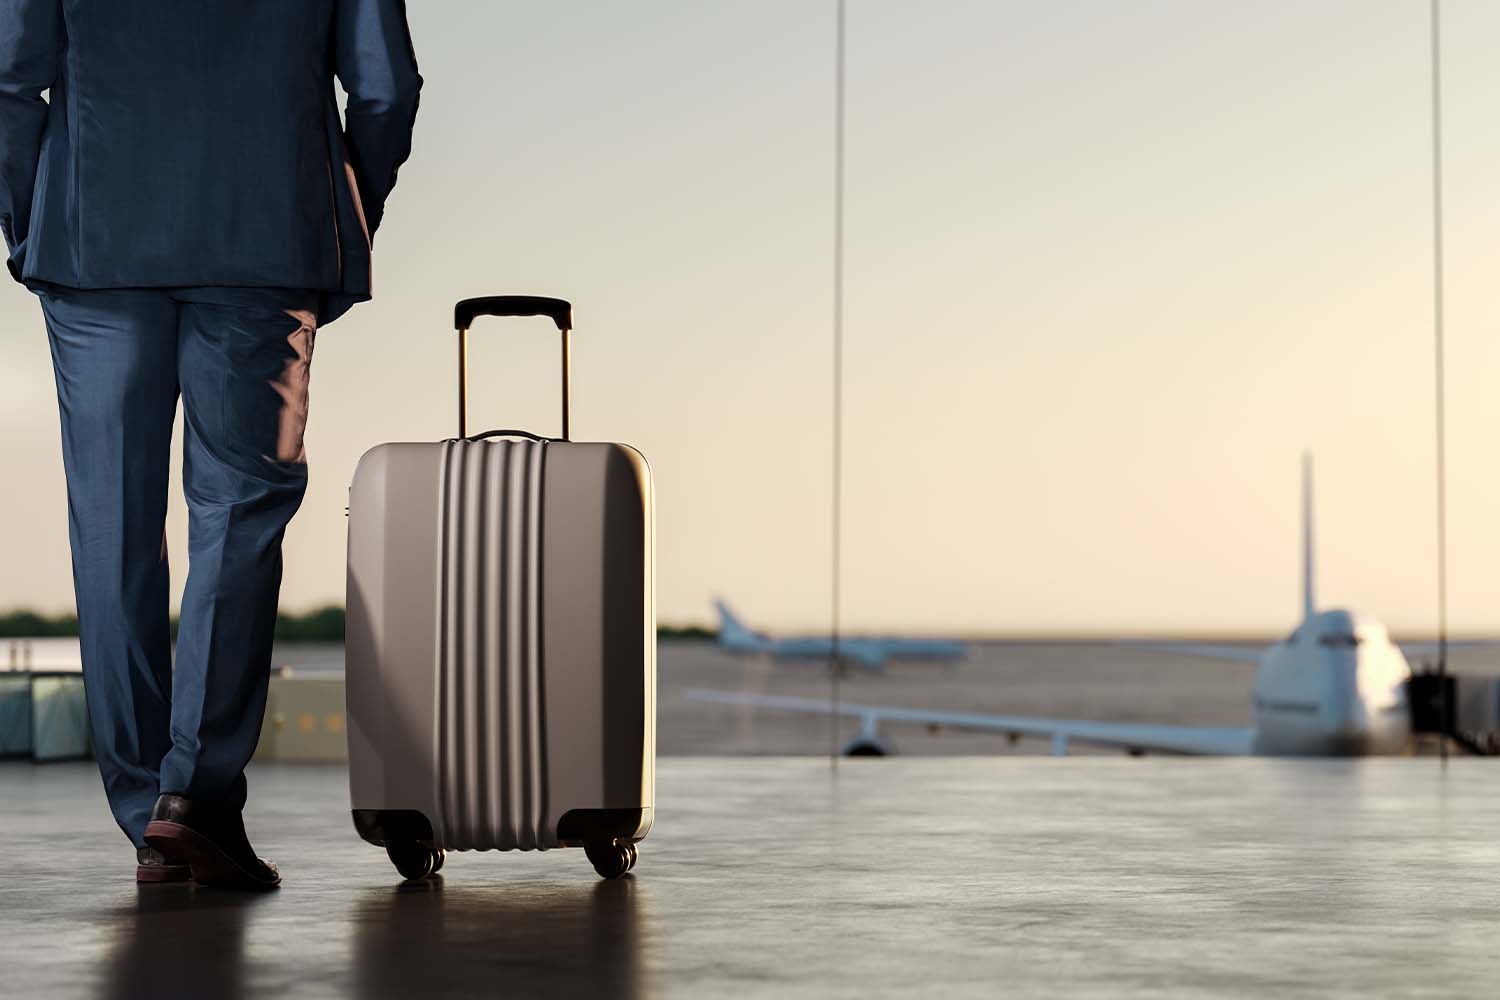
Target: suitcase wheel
x,y
414,860
611,858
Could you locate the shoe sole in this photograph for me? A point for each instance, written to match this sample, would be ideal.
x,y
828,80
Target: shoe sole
x,y
163,873
210,865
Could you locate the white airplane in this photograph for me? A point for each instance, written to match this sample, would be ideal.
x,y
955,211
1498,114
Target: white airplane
x,y
867,652
1335,686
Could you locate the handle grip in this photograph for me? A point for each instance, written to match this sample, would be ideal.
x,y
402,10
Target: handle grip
x,y
557,310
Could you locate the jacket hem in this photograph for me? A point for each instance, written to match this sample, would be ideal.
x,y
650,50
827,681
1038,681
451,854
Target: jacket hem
x,y
332,302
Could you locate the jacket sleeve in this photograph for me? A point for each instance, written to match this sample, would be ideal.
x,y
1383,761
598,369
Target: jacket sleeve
x,y
31,42
376,64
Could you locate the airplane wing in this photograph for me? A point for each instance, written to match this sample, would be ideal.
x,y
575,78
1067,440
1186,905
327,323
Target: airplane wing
x,y
1129,735
1238,654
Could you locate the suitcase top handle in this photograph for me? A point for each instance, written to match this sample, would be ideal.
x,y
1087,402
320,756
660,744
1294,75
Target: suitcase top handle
x,y
464,314
557,310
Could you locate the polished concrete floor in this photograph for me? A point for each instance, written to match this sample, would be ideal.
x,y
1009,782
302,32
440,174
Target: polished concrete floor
x,y
1097,877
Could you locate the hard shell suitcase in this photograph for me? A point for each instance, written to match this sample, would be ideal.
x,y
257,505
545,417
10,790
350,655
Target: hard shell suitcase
x,y
501,639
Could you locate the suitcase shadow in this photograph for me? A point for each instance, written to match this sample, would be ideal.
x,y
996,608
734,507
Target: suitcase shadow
x,y
539,939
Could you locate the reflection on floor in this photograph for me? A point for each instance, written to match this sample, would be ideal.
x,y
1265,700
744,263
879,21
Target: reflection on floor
x,y
1085,876
422,939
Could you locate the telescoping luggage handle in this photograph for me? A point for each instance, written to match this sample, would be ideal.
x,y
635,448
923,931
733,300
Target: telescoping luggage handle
x,y
464,314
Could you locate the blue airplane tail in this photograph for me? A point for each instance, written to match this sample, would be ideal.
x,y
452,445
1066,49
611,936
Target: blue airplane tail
x,y
735,634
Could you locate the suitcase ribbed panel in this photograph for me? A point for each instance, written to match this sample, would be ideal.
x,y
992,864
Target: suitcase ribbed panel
x,y
492,768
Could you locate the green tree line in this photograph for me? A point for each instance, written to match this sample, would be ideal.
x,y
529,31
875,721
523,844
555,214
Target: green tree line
x,y
324,624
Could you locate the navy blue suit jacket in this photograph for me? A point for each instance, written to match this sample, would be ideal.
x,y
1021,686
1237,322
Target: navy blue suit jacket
x,y
199,143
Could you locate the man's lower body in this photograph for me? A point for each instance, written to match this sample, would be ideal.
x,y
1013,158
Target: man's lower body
x,y
239,358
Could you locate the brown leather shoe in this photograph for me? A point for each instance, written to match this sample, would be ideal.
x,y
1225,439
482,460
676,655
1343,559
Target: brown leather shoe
x,y
152,866
211,838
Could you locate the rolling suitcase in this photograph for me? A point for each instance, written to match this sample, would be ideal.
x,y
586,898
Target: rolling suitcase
x,y
501,638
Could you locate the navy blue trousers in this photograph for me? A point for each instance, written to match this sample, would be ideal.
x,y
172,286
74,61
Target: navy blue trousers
x,y
239,359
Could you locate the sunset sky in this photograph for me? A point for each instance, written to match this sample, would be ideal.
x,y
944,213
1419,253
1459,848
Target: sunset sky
x,y
1111,268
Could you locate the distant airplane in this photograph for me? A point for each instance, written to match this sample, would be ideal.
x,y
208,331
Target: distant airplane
x,y
867,652
1335,686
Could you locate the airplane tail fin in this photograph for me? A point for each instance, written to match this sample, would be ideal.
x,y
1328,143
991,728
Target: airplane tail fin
x,y
1309,598
735,634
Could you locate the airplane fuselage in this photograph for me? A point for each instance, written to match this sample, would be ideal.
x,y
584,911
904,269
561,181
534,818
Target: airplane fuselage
x,y
1335,686
865,652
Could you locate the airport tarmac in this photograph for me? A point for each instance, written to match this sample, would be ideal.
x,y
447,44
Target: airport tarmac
x,y
1085,876
1075,680
1060,679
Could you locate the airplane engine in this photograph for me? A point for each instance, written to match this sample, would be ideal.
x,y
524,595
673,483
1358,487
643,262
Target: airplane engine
x,y
867,746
